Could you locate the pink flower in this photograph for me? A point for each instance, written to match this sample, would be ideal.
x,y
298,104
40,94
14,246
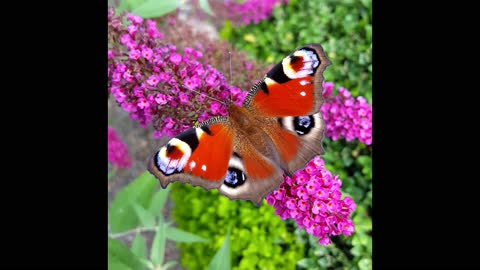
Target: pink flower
x,y
250,11
153,80
189,83
155,92
346,116
147,53
135,54
322,213
143,103
215,107
164,76
132,29
135,19
161,99
183,98
117,150
175,58
327,89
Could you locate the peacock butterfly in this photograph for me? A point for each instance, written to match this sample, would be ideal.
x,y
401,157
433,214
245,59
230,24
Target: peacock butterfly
x,y
244,155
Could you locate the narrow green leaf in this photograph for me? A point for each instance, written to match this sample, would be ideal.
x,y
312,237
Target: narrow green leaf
x,y
158,245
221,260
205,7
168,265
122,215
155,8
115,264
139,247
181,236
120,257
158,201
148,264
146,219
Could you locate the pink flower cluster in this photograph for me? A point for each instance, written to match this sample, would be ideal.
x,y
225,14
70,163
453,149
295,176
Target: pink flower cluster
x,y
312,198
346,116
117,150
250,10
155,83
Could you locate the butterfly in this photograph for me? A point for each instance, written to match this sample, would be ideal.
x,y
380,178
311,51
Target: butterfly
x,y
278,129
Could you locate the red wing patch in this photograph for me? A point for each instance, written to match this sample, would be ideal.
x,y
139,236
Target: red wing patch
x,y
210,159
294,97
287,144
256,166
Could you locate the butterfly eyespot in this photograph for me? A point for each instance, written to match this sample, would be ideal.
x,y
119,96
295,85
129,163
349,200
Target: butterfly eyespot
x,y
174,152
303,124
234,178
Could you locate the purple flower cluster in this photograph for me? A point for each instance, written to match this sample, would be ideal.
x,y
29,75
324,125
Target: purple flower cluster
x,y
312,198
346,116
250,10
117,150
155,83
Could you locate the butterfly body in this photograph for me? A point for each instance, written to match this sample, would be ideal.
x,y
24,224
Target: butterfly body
x,y
277,130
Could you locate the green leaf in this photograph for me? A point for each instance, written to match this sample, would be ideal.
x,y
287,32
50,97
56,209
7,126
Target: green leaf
x,y
306,263
221,259
158,245
158,201
122,215
128,5
182,236
120,257
146,219
205,7
168,265
226,31
139,247
155,8
365,264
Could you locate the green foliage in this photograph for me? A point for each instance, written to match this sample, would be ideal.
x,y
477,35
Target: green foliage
x,y
342,27
120,257
137,206
259,239
222,259
156,8
122,214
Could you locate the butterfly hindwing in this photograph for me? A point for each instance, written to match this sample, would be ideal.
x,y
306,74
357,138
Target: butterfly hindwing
x,y
309,131
251,176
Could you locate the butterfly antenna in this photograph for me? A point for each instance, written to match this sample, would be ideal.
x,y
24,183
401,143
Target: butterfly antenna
x,y
230,56
210,97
